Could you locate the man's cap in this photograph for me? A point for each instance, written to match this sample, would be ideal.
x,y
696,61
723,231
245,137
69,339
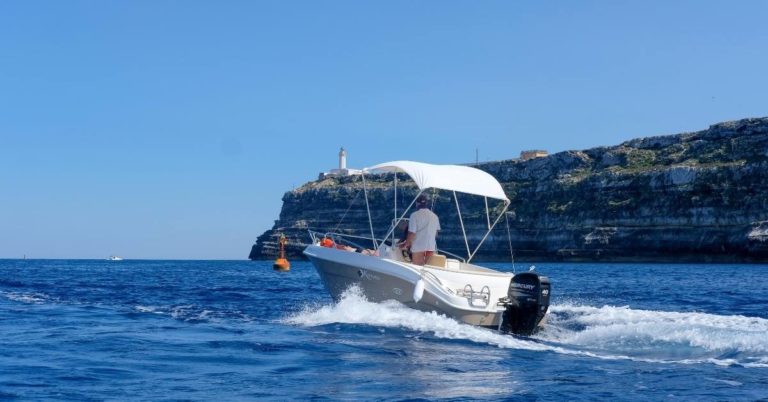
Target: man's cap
x,y
422,200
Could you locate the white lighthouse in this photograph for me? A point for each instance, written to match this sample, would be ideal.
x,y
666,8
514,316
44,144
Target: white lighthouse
x,y
342,170
342,159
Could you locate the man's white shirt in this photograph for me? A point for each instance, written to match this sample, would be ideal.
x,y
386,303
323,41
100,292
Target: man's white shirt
x,y
425,224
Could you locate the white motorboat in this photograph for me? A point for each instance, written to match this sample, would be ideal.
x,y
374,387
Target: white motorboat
x,y
447,284
114,258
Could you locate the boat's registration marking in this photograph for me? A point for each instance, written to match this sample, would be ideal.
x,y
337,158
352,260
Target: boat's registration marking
x,y
367,275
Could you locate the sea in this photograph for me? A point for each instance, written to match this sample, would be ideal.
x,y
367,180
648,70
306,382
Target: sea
x,y
238,330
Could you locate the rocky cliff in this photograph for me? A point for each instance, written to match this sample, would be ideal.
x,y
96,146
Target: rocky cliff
x,y
700,196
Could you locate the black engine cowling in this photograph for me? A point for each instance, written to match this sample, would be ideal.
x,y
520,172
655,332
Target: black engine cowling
x,y
526,304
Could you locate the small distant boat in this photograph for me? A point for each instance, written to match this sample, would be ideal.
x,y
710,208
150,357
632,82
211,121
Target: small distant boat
x,y
115,258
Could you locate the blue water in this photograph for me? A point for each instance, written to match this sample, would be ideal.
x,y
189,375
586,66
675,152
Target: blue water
x,y
211,330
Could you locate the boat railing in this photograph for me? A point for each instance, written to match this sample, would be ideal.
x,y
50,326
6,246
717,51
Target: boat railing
x,y
484,295
344,238
338,238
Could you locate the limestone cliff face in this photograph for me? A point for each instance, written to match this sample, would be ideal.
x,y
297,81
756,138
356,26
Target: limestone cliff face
x,y
700,196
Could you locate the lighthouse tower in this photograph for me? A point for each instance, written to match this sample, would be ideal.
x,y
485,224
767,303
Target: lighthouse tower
x,y
342,159
342,170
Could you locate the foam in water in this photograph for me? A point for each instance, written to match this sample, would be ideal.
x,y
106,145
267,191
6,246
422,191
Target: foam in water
x,y
29,298
606,332
354,308
192,313
609,325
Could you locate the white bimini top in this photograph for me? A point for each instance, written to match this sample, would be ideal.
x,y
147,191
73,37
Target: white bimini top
x,y
463,179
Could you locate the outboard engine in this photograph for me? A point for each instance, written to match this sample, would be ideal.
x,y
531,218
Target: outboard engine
x,y
526,303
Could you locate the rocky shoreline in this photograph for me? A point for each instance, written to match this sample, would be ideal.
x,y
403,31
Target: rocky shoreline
x,y
691,197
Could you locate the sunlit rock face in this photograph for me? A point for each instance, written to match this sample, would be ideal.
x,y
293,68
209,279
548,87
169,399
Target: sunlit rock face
x,y
700,196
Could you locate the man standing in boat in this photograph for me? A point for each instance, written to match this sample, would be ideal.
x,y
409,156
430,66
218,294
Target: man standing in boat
x,y
423,226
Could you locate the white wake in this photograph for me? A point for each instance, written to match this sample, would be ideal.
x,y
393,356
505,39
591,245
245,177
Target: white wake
x,y
606,332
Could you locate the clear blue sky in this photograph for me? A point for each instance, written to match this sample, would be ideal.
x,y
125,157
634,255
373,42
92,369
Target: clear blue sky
x,y
169,129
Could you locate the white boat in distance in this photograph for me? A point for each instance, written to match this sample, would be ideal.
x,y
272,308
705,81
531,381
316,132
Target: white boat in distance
x,y
447,284
114,258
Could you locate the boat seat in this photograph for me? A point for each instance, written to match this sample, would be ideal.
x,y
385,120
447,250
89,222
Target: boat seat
x,y
453,265
436,260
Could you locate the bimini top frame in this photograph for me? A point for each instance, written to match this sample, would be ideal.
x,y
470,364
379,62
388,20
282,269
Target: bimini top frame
x,y
453,178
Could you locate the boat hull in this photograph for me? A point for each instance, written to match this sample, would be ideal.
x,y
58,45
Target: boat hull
x,y
382,279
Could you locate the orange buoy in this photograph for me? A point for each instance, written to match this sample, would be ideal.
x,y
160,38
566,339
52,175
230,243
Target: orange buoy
x,y
281,263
